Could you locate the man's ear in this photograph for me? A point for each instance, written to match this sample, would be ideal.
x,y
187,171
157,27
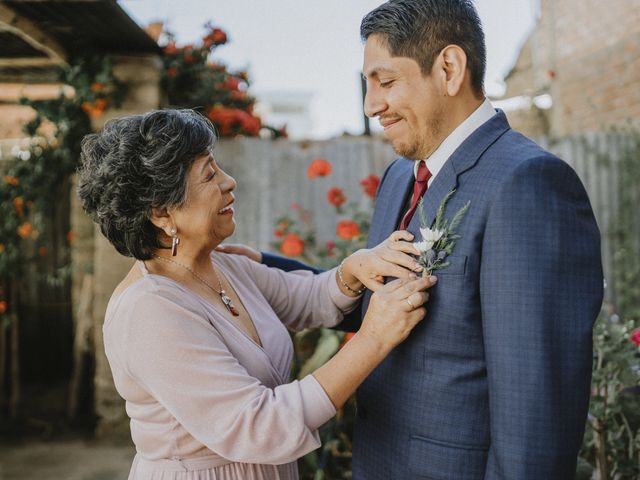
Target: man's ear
x,y
453,62
162,219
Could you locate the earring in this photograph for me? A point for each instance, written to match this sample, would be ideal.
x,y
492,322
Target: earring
x,y
174,242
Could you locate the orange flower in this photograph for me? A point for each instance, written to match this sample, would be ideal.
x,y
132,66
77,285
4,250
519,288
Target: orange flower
x,y
188,58
3,308
347,229
172,72
11,180
101,104
2,248
70,236
319,168
92,109
370,185
292,246
215,37
25,230
18,204
336,197
171,48
42,251
230,83
97,87
238,95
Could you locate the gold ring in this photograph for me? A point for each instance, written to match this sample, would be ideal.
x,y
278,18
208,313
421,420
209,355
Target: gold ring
x,y
410,304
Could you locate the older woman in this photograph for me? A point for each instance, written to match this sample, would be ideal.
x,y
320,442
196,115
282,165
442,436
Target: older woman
x,y
196,339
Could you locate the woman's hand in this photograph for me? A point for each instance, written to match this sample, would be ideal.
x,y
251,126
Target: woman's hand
x,y
391,258
395,309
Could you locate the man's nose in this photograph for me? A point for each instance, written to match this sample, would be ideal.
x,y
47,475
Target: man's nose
x,y
374,104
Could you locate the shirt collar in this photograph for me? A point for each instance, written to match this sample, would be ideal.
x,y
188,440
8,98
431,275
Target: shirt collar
x,y
438,158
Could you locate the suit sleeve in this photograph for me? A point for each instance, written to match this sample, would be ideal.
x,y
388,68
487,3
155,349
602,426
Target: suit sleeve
x,y
286,264
541,288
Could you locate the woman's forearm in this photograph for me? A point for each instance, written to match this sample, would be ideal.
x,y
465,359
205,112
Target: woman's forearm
x,y
347,369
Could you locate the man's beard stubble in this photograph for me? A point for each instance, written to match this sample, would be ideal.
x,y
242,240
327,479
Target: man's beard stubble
x,y
421,147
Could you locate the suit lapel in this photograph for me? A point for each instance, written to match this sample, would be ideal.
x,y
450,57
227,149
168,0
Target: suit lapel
x,y
392,200
465,157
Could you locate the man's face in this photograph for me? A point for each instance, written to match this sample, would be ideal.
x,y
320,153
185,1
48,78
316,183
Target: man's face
x,y
409,105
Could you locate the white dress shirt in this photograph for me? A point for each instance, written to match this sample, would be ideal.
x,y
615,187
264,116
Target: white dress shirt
x,y
438,158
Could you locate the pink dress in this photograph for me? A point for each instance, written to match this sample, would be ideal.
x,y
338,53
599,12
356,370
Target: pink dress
x,y
205,400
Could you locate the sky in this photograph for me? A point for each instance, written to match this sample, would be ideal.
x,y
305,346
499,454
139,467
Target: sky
x,y
313,46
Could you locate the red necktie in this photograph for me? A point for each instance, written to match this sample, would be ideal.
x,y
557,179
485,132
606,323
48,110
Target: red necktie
x,y
419,187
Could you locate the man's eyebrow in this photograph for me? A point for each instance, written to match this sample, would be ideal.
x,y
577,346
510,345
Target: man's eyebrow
x,y
375,72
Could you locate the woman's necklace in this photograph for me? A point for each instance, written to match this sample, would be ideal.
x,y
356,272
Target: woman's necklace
x,y
223,295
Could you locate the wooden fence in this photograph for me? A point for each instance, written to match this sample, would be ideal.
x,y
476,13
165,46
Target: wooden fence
x,y
272,175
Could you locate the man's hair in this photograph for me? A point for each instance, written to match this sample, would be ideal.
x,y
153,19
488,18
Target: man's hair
x,y
420,29
136,164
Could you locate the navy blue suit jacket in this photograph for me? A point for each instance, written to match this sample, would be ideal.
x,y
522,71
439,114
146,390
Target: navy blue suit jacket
x,y
494,382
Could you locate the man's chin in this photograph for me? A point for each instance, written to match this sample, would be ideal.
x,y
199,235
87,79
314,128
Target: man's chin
x,y
411,152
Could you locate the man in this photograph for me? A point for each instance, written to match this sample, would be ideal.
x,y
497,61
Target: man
x,y
494,383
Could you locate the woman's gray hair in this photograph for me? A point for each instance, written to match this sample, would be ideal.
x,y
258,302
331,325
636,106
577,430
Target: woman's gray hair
x,y
138,163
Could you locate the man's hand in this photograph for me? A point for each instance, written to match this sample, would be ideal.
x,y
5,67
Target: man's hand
x,y
240,249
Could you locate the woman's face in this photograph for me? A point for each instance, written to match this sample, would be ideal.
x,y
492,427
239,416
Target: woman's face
x,y
206,217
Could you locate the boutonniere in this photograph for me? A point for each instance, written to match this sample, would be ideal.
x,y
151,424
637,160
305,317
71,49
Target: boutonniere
x,y
439,239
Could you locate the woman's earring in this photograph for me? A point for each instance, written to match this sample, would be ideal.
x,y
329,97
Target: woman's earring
x,y
174,242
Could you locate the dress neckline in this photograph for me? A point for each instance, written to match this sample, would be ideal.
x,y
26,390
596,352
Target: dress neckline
x,y
260,343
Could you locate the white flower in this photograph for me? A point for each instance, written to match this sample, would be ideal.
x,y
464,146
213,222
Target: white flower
x,y
429,237
422,247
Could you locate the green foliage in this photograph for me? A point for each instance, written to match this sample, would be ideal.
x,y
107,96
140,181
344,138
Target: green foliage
x,y
611,444
37,177
295,236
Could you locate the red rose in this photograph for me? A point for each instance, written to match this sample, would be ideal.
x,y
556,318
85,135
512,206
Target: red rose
x,y
635,336
336,197
292,246
319,168
230,83
250,124
278,233
3,307
347,229
215,37
172,72
370,185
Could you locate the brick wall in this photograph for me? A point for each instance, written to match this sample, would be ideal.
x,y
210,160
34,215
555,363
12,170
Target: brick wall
x,y
586,54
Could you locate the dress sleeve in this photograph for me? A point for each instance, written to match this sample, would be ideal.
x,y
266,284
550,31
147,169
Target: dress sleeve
x,y
300,298
182,361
